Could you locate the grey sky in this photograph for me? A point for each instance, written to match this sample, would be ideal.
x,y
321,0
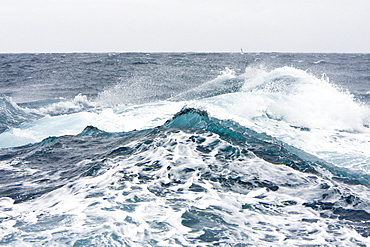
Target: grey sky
x,y
185,25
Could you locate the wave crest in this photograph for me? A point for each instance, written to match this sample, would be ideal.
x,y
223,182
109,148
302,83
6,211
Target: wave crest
x,y
298,98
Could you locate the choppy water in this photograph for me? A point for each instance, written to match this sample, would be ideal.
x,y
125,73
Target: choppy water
x,y
186,149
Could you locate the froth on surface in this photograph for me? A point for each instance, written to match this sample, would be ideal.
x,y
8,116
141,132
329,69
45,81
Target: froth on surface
x,y
175,186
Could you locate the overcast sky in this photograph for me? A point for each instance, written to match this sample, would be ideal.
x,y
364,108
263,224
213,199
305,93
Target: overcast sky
x,y
185,25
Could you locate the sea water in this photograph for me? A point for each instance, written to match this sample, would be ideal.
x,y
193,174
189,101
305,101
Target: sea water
x,y
185,149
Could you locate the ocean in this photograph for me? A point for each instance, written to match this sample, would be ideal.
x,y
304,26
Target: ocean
x,y
185,149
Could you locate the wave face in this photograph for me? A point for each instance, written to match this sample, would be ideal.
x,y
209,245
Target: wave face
x,y
185,150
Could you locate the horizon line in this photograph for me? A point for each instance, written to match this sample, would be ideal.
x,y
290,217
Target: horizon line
x,y
190,52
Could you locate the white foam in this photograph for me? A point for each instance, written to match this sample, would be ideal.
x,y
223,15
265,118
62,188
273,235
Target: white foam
x,y
285,101
47,126
153,217
300,98
117,119
78,103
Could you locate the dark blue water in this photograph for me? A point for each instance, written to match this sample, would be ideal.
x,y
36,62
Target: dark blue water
x,y
174,149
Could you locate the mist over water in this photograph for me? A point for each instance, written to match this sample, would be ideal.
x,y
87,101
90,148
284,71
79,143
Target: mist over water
x,y
173,149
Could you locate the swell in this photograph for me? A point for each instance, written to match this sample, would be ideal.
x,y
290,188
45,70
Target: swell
x,y
56,161
195,179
